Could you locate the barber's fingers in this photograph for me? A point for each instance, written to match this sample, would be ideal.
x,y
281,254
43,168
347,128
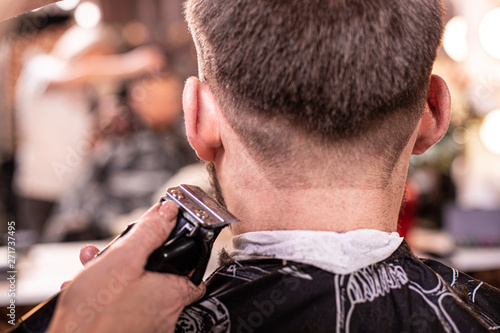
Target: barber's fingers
x,y
151,231
184,288
87,253
65,284
195,292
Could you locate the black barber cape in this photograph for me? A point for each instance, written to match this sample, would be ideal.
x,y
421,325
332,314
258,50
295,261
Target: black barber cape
x,y
399,294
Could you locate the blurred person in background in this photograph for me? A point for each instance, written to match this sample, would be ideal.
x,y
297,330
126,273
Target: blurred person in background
x,y
18,36
55,96
128,166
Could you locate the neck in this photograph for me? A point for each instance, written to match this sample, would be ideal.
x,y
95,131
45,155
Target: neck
x,y
261,205
339,210
343,195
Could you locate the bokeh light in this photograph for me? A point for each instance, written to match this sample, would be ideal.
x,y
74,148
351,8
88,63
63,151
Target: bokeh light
x,y
135,33
67,4
460,135
490,131
455,39
489,33
87,15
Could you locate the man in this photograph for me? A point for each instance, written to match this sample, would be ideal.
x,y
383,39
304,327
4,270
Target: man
x,y
307,113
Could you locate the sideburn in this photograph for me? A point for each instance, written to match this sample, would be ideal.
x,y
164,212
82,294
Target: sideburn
x,y
214,182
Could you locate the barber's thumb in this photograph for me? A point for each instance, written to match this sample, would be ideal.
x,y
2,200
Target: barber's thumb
x,y
195,292
87,253
153,228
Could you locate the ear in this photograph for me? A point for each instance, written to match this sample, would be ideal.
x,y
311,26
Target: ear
x,y
436,117
201,115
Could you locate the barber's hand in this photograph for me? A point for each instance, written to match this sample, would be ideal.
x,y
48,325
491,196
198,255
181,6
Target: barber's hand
x,y
87,253
115,294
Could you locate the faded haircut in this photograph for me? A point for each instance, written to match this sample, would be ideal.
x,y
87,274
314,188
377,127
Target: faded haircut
x,y
332,70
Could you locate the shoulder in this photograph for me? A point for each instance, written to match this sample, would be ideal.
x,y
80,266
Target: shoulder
x,y
254,296
479,296
400,293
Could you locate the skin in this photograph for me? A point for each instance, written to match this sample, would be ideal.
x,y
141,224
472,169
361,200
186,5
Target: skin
x,y
249,195
115,294
118,295
262,206
9,9
252,197
101,64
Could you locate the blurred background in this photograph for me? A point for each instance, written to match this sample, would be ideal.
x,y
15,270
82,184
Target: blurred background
x,y
91,128
91,123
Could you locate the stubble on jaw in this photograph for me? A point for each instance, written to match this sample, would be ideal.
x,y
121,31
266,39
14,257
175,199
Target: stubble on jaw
x,y
214,182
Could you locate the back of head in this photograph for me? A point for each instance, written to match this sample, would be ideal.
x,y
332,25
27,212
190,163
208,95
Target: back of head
x,y
334,71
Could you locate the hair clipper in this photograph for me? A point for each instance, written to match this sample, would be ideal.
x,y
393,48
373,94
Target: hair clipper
x,y
199,222
187,249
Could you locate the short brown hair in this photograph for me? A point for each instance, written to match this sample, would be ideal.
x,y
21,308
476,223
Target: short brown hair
x,y
335,70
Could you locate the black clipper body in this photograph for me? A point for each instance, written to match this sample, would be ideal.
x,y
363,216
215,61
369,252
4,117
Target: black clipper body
x,y
187,249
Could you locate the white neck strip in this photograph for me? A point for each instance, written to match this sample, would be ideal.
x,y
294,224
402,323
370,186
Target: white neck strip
x,y
338,253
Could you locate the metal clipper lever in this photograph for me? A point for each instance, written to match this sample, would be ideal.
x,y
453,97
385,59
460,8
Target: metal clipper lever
x,y
199,222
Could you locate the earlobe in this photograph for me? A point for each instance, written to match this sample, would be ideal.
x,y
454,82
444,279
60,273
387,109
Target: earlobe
x,y
201,112
436,116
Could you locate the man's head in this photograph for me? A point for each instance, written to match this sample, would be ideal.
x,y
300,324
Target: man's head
x,y
296,78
